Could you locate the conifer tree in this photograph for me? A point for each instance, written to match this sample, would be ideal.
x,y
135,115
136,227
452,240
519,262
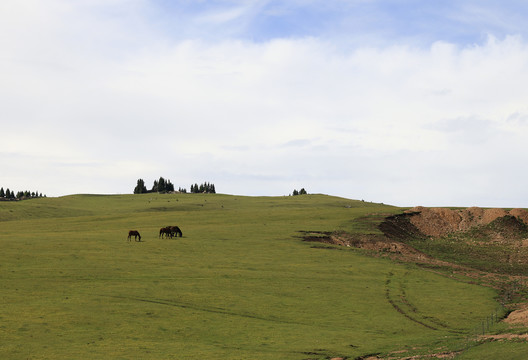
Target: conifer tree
x,y
140,187
161,185
169,187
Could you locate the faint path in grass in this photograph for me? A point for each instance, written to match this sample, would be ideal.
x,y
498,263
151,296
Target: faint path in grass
x,y
216,310
396,296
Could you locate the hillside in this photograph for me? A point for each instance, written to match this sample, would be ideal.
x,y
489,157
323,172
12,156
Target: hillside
x,y
439,222
239,284
488,246
494,240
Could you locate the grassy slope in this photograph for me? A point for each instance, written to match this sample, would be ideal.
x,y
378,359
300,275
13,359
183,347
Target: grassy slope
x,y
504,350
238,285
494,247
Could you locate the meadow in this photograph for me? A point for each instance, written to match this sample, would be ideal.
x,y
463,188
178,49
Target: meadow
x,y
239,284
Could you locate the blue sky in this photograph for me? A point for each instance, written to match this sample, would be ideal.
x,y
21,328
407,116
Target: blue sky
x,y
384,21
402,102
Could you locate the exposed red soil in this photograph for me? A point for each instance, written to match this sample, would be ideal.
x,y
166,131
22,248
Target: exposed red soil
x,y
447,355
519,316
442,221
379,244
500,337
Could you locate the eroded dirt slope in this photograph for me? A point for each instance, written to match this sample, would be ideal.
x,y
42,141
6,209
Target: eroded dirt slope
x,y
442,221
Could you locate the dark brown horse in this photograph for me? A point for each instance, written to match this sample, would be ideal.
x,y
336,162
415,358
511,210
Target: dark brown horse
x,y
175,231
135,234
165,231
170,231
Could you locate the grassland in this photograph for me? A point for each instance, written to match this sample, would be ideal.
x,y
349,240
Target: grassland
x,y
239,284
479,248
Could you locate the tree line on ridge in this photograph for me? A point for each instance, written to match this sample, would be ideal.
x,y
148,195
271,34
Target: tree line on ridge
x,y
20,195
165,186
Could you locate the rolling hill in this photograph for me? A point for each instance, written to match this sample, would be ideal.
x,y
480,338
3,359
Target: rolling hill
x,y
240,284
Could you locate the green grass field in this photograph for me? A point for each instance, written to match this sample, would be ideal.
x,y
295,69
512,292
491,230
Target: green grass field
x,y
239,284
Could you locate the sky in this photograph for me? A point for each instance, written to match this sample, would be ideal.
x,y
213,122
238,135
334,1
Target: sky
x,y
403,102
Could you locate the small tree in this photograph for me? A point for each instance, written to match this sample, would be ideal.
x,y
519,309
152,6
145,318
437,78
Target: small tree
x,y
140,187
161,185
2,192
169,187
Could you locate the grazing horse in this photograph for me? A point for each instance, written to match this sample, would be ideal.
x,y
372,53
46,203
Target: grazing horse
x,y
165,231
175,231
135,234
170,231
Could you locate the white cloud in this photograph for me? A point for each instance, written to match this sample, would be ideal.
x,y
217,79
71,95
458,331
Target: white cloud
x,y
443,125
224,16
